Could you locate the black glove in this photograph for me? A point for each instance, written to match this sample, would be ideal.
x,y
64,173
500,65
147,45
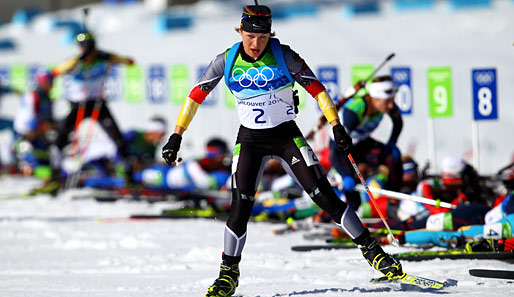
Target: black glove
x,y
170,149
343,140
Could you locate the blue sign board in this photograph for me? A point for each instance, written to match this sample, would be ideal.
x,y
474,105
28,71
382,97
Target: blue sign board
x,y
485,105
402,79
157,88
328,77
4,76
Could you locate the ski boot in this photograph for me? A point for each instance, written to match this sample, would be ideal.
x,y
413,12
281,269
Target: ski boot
x,y
51,186
484,245
377,258
226,284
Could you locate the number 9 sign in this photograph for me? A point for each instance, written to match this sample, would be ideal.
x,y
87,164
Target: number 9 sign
x,y
440,92
485,105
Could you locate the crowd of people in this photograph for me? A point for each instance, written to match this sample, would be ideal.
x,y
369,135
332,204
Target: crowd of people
x,y
271,171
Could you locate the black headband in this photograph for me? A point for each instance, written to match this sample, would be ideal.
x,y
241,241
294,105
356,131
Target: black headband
x,y
256,19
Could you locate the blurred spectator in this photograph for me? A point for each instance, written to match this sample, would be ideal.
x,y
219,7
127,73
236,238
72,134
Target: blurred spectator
x,y
34,123
7,159
142,144
210,172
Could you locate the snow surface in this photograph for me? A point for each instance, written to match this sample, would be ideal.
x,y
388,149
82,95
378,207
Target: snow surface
x,y
61,246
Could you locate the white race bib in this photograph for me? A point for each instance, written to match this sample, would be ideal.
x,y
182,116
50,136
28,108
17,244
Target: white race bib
x,y
440,221
267,110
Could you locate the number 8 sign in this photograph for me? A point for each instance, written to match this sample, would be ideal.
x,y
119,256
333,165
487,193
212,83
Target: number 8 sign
x,y
440,92
485,105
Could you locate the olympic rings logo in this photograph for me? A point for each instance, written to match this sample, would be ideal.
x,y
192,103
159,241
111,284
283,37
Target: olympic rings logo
x,y
400,76
253,76
484,77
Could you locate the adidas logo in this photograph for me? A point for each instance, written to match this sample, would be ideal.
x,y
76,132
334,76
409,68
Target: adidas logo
x,y
294,160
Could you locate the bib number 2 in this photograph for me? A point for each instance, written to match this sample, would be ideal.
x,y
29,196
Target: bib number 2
x,y
259,115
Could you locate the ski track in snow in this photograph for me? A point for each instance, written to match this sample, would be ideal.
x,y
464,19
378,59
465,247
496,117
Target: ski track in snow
x,y
77,248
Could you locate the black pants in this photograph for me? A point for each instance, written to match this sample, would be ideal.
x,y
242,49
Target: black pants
x,y
105,119
285,143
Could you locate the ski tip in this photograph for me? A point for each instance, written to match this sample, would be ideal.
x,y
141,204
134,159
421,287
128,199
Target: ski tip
x,y
492,273
437,285
411,282
451,282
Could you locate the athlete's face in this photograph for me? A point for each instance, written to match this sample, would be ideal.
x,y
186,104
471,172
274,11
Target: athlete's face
x,y
254,43
153,137
383,105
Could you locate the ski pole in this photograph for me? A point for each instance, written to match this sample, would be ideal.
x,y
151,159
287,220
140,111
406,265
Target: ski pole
x,y
403,196
505,168
80,116
85,12
380,66
363,182
92,123
323,120
81,110
73,181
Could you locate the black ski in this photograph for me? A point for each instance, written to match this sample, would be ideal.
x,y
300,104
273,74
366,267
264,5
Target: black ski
x,y
183,213
492,273
173,217
312,247
453,254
